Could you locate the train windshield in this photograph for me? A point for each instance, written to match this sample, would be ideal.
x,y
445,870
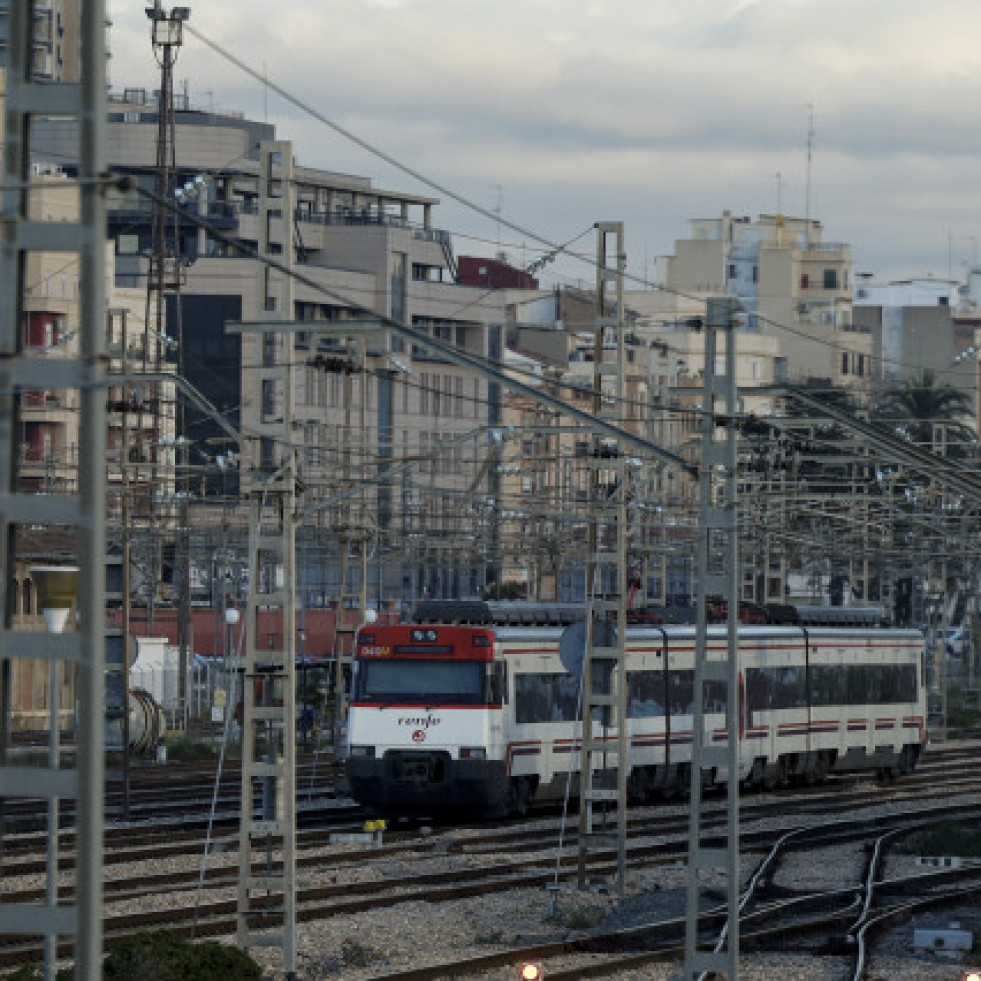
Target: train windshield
x,y
427,682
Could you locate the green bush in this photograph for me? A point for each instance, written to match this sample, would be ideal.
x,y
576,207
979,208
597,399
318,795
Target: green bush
x,y
949,838
28,972
163,957
160,956
577,917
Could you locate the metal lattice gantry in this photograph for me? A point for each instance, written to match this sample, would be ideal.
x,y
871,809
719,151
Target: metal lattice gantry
x,y
603,756
75,516
267,898
716,658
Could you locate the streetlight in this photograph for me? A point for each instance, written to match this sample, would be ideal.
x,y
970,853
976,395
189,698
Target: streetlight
x,y
56,587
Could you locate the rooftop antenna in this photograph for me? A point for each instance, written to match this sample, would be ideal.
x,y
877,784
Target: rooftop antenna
x,y
779,178
498,207
807,192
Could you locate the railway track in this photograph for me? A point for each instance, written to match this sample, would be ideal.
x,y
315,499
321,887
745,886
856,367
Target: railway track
x,y
173,792
343,881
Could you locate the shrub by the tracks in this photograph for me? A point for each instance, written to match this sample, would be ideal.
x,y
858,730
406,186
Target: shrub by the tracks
x,y
30,972
950,838
164,957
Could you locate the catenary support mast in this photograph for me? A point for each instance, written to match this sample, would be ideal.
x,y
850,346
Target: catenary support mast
x,y
716,657
603,756
269,683
79,511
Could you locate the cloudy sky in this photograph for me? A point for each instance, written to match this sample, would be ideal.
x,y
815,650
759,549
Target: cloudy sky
x,y
561,113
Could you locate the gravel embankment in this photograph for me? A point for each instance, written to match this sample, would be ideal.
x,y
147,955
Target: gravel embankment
x,y
360,946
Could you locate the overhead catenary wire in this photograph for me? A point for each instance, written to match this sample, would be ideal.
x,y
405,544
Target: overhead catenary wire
x,y
391,160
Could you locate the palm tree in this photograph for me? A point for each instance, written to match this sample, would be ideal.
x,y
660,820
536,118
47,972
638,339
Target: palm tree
x,y
917,406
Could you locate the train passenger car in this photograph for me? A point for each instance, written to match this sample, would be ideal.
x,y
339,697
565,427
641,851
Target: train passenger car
x,y
454,717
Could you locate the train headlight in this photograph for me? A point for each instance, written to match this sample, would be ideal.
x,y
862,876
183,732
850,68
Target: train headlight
x,y
362,751
971,974
473,753
531,972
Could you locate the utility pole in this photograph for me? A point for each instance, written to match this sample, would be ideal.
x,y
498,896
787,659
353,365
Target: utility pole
x,y
603,757
352,605
718,576
163,278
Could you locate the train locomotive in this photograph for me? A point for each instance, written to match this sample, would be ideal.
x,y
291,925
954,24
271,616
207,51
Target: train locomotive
x,y
483,717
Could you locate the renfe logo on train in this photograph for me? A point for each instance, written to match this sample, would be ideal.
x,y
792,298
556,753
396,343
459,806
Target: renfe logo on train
x,y
422,722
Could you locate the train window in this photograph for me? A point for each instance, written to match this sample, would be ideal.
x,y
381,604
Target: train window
x,y
908,690
826,683
788,688
757,690
775,688
542,697
645,694
452,682
682,692
861,684
857,684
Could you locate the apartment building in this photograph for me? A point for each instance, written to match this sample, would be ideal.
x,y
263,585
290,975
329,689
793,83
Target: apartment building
x,y
396,418
55,34
792,285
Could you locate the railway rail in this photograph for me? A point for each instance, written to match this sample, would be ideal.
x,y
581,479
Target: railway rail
x,y
343,881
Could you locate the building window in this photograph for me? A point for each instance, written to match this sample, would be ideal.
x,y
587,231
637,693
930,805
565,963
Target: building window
x,y
732,270
268,399
831,279
267,453
398,288
844,363
805,281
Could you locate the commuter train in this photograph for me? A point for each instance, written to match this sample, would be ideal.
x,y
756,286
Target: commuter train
x,y
485,718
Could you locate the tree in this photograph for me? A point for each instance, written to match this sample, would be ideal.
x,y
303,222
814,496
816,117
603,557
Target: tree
x,y
915,408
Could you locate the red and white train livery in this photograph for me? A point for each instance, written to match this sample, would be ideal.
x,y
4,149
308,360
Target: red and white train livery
x,y
452,717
